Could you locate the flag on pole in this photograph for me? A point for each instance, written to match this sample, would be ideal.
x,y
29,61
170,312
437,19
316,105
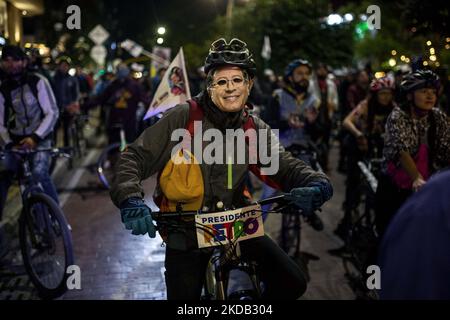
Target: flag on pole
x,y
173,88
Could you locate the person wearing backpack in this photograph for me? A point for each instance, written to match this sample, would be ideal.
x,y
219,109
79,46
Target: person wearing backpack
x,y
195,185
28,114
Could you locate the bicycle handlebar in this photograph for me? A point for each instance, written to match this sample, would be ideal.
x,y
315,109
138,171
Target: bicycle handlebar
x,y
280,200
60,152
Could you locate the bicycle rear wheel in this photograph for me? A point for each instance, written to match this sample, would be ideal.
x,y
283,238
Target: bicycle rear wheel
x,y
46,245
106,164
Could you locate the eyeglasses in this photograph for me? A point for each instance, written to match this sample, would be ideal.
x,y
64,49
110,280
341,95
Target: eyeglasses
x,y
223,82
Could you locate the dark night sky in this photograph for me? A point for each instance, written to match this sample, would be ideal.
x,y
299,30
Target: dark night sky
x,y
136,19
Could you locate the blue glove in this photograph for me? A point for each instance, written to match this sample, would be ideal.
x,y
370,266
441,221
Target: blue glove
x,y
307,199
137,217
311,197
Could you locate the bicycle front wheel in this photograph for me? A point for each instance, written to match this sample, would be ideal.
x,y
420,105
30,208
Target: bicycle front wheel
x,y
106,164
46,245
291,234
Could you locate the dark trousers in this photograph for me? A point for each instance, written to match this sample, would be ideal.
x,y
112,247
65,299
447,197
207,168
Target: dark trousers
x,y
40,166
282,277
389,198
353,181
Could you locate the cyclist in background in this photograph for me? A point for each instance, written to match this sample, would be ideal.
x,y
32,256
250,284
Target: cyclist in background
x,y
417,144
230,69
297,111
122,96
28,114
67,93
366,125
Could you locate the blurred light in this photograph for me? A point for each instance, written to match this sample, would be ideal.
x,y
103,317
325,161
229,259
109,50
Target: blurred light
x,y
138,75
431,50
72,71
433,57
447,46
361,29
363,17
161,30
348,17
159,41
27,45
24,12
402,58
425,63
113,46
428,43
392,62
2,41
413,29
379,74
447,39
407,60
334,18
58,26
437,64
393,52
42,51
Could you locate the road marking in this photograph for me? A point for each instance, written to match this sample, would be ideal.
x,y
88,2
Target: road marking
x,y
77,176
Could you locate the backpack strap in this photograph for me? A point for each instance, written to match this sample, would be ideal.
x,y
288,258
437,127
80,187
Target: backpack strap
x,y
6,92
195,114
254,168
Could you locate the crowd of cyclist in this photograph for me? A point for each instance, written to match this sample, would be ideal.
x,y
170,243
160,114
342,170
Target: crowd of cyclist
x,y
402,118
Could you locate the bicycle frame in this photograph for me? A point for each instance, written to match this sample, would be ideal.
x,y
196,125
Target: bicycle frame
x,y
227,257
28,186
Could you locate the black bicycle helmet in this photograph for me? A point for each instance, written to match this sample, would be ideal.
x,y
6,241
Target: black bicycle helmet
x,y
418,80
233,53
294,64
14,52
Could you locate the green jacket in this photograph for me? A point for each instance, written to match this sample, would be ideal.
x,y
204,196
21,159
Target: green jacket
x,y
152,150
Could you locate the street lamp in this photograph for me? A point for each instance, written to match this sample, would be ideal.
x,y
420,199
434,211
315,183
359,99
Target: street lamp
x,y
229,16
161,30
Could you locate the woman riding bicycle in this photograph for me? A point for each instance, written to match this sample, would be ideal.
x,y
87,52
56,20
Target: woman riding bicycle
x,y
417,144
192,186
366,124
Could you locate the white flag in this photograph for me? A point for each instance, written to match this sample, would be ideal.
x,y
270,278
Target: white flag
x,y
173,88
266,49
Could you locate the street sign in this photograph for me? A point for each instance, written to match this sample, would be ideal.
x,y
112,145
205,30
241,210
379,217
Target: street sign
x,y
98,35
98,53
132,47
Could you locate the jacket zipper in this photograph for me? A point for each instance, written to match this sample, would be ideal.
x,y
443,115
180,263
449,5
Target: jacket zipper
x,y
25,109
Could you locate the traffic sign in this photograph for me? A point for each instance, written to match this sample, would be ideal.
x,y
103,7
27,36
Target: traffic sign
x,y
98,35
98,53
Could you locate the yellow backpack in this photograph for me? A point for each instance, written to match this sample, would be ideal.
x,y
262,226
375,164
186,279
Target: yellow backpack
x,y
181,180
